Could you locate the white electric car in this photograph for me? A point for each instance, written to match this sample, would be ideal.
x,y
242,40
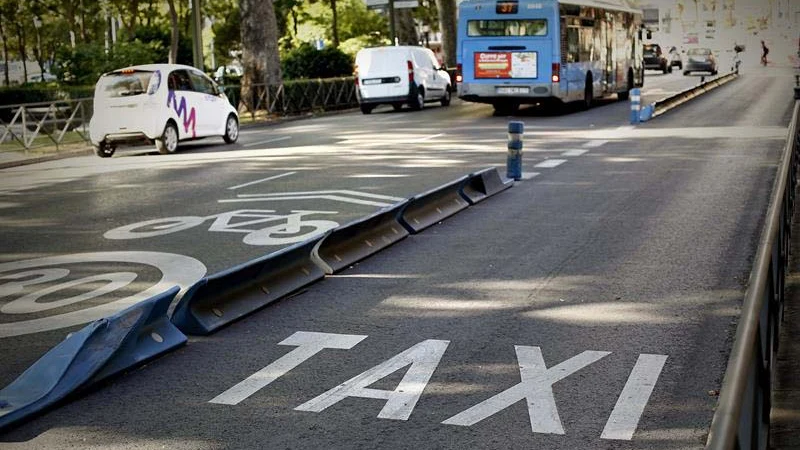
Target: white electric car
x,y
161,103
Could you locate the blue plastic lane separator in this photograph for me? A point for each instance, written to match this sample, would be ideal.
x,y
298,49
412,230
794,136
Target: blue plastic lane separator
x,y
483,184
101,349
222,298
357,240
428,208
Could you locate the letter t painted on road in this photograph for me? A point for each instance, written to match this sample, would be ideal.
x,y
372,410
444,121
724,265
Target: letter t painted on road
x,y
308,344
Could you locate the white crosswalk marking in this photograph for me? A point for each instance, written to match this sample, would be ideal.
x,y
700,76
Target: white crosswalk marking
x,y
574,152
550,163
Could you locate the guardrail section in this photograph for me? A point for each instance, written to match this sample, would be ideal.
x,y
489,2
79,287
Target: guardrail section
x,y
741,420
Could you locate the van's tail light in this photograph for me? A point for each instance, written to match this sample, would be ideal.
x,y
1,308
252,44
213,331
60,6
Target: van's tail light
x,y
410,72
556,73
355,74
459,76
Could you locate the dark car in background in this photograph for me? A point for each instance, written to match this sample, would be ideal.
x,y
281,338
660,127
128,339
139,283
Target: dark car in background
x,y
700,60
655,59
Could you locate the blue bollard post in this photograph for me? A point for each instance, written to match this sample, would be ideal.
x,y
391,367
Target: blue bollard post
x,y
514,159
636,104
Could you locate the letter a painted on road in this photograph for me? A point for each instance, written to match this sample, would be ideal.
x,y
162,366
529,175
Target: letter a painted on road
x,y
423,358
536,388
308,344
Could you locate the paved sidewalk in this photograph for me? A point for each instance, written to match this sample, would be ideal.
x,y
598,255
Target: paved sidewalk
x,y
785,417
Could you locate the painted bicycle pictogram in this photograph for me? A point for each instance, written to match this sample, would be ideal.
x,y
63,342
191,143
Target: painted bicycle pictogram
x,y
280,229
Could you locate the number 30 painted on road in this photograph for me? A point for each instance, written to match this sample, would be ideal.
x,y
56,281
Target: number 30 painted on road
x,y
175,269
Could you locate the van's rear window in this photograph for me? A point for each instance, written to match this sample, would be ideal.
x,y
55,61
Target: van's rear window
x,y
512,27
126,84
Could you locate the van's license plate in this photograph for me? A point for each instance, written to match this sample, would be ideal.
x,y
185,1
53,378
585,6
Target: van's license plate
x,y
513,90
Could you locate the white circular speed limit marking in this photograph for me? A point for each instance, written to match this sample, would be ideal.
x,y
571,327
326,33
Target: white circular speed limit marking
x,y
176,270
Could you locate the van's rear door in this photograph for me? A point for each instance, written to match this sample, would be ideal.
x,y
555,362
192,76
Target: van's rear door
x,y
383,72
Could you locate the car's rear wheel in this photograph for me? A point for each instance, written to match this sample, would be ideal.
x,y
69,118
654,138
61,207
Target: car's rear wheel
x,y
104,150
366,109
397,106
231,130
624,95
685,72
446,97
168,142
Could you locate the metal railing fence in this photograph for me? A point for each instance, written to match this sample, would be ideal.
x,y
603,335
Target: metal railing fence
x,y
44,124
741,420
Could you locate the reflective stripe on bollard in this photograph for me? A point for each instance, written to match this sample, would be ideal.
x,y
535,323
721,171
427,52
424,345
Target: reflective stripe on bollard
x,y
514,159
636,104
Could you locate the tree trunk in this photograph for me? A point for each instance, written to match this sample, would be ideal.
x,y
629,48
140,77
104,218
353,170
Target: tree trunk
x,y
260,58
406,28
447,25
5,52
173,43
334,24
22,51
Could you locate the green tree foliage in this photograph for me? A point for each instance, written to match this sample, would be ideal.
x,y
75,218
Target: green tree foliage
x,y
308,62
354,21
84,64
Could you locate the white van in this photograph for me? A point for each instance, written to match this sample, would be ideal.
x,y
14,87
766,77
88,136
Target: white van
x,y
161,103
400,75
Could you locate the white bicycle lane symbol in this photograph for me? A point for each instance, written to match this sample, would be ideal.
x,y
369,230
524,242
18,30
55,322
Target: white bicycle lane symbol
x,y
21,278
282,229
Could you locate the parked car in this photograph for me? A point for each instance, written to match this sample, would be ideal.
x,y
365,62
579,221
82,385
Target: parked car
x,y
400,75
44,77
700,60
159,103
674,58
224,73
655,59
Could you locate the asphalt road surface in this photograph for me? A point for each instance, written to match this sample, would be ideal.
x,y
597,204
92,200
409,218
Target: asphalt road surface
x,y
591,306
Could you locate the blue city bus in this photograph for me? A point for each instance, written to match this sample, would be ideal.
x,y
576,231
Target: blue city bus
x,y
513,52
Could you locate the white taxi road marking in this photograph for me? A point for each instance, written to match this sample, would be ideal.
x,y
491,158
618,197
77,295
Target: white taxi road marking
x,y
274,177
423,358
631,403
267,141
550,163
308,344
574,152
536,388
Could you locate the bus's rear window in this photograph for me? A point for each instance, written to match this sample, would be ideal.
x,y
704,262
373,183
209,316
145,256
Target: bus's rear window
x,y
125,84
513,27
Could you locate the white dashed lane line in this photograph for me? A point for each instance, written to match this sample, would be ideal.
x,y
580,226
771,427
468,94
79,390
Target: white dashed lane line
x,y
550,163
574,152
594,144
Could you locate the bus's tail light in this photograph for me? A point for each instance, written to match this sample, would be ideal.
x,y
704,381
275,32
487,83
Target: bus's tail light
x,y
556,73
410,72
459,77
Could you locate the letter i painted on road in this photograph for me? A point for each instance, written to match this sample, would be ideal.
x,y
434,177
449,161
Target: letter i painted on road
x,y
308,344
423,358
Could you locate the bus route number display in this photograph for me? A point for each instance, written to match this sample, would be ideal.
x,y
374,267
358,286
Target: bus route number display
x,y
505,65
506,7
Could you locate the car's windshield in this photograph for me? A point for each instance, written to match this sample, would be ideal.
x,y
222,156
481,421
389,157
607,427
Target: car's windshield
x,y
699,52
125,84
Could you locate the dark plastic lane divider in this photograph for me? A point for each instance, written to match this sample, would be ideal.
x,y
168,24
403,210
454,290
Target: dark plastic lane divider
x,y
222,298
483,184
661,106
357,240
428,208
101,349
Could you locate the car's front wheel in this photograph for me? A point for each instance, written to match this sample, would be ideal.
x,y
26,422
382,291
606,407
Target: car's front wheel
x,y
447,97
231,130
168,142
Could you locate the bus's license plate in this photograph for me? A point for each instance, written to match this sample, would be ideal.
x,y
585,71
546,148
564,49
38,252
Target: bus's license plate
x,y
513,90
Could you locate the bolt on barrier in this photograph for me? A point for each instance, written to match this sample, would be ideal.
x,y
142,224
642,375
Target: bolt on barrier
x,y
741,420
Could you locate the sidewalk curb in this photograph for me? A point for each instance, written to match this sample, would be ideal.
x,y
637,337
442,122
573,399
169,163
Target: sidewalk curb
x,y
53,157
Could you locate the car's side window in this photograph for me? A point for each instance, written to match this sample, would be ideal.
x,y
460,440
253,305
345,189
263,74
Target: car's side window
x,y
179,81
202,84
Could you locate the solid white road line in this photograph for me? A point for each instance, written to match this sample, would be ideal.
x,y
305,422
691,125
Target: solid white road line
x,y
344,192
274,177
574,152
550,163
356,201
630,405
282,138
